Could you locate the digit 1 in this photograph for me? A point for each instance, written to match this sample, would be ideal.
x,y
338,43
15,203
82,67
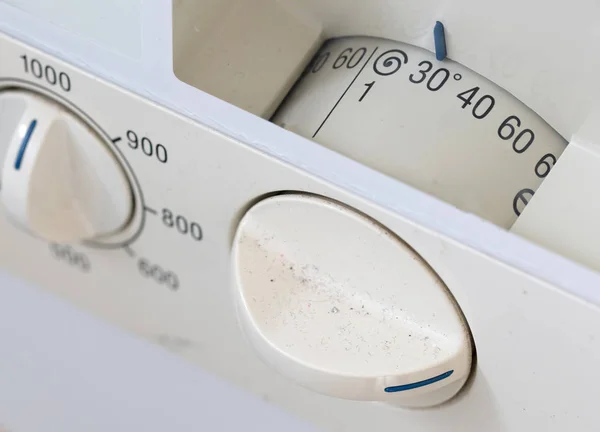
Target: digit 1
x,y
369,86
24,57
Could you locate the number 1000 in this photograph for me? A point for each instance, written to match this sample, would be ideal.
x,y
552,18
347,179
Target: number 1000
x,y
34,67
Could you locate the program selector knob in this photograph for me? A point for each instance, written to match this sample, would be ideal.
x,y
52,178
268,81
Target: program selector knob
x,y
59,179
340,305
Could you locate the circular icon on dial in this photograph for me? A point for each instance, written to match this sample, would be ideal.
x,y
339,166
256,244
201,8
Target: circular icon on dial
x,y
340,305
60,179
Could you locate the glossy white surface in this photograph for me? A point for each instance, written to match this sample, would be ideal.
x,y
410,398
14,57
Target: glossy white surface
x,y
64,371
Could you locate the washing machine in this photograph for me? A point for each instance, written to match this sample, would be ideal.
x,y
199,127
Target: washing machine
x,y
299,215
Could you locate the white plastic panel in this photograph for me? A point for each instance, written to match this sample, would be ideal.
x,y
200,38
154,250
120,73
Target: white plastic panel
x,y
564,214
526,330
65,371
496,277
158,84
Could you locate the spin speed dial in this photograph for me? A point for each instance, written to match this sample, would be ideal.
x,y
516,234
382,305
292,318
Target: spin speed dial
x,y
59,180
437,126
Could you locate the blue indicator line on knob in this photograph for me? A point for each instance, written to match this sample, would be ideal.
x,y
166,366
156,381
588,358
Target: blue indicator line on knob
x,y
26,138
418,384
439,39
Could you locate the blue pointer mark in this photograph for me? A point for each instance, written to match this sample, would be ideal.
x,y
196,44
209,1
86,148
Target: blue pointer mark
x,y
439,38
418,383
26,138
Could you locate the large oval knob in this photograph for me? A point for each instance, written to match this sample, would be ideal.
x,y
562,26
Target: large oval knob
x,y
342,306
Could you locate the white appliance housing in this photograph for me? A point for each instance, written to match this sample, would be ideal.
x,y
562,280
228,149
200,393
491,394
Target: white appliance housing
x,y
181,92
